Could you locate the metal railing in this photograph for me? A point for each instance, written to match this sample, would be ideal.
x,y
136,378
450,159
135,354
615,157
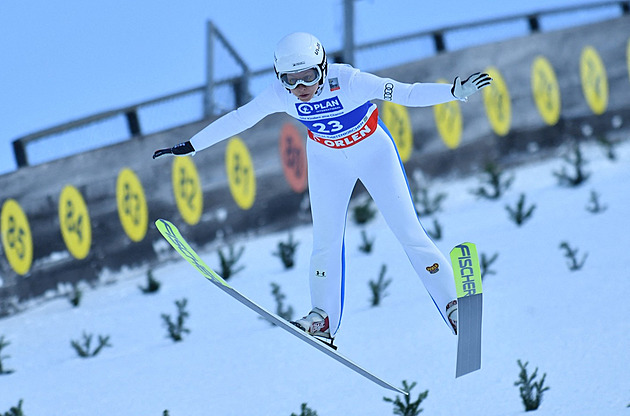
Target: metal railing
x,y
239,85
533,22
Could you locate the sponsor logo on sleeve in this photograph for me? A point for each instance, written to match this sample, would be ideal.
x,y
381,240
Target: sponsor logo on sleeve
x,y
333,83
388,91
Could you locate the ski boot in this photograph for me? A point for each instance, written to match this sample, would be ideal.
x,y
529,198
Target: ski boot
x,y
316,324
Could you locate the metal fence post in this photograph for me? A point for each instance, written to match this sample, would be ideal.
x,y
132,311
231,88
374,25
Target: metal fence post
x,y
208,99
534,24
438,40
348,34
240,86
19,152
133,123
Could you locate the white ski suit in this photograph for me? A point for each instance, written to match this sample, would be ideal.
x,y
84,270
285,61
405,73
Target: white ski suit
x,y
347,142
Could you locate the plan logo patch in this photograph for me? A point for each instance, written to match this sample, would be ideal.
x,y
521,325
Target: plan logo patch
x,y
320,107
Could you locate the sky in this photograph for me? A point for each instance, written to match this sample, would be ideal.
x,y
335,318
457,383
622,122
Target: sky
x,y
60,61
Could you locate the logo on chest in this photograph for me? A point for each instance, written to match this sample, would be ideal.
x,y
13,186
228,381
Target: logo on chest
x,y
329,105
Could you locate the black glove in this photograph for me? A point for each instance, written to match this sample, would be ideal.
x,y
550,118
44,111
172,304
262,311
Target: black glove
x,y
179,150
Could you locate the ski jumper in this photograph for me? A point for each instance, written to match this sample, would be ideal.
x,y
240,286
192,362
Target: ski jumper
x,y
347,142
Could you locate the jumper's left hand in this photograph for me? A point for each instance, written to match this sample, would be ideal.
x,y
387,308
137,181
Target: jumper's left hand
x,y
464,89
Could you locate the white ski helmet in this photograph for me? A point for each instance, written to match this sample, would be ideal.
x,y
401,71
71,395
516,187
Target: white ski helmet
x,y
298,52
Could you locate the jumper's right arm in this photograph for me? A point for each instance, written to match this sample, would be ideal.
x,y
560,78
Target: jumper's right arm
x,y
226,126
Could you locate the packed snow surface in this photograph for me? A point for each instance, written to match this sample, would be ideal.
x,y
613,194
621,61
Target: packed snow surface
x,y
571,325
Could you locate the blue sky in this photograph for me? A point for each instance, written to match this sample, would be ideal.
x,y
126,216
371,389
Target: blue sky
x,y
60,61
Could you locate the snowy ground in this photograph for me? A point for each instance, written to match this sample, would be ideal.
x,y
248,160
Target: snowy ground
x,y
572,325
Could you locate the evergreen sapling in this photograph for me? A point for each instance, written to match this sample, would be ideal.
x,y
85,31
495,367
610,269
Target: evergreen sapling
x,y
485,263
228,261
84,349
9,306
152,286
519,214
493,182
284,312
366,243
75,295
531,391
286,252
305,411
363,213
574,161
436,233
595,206
609,146
572,256
3,345
378,288
15,411
176,330
427,203
408,408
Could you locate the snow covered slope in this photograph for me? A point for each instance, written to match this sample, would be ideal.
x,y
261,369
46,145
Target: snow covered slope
x,y
572,325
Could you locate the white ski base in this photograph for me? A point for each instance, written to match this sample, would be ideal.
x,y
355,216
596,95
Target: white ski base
x,y
469,334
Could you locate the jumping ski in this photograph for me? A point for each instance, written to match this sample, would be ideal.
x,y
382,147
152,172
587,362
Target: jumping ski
x,y
469,304
174,237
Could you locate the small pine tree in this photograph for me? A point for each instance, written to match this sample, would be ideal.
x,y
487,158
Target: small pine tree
x,y
572,256
575,161
228,261
609,146
3,345
305,411
595,206
519,214
436,232
363,213
531,391
367,243
152,286
15,411
286,252
84,349
493,183
408,408
8,307
75,295
284,312
485,263
176,330
427,204
378,288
